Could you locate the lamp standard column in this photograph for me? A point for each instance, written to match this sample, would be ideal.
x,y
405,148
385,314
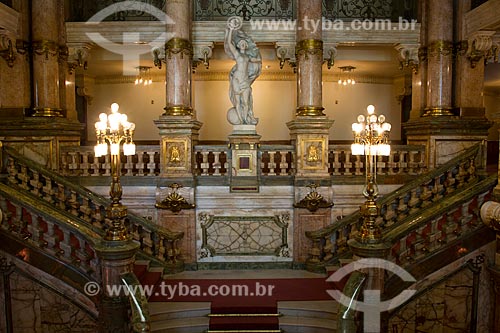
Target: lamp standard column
x,y
46,52
440,58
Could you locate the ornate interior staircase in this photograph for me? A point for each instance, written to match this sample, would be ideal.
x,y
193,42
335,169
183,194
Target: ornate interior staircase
x,y
428,223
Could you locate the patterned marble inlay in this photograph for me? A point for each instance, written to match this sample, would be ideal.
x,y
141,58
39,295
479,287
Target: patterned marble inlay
x,y
249,235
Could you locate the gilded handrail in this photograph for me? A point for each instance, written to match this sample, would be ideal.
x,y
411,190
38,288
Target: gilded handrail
x,y
138,303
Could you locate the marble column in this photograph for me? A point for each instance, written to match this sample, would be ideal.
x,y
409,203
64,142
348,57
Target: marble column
x,y
178,58
46,52
439,58
309,55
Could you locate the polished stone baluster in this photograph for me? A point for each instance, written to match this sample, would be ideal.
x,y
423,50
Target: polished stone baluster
x,y
216,164
107,165
129,166
96,167
272,164
419,243
73,203
390,214
98,217
147,242
472,171
6,214
426,194
328,249
336,164
12,170
140,165
462,174
414,201
48,190
380,165
451,228
35,230
466,217
162,248
82,258
391,165
437,190
315,252
284,164
61,196
65,245
50,238
358,164
73,164
413,165
23,176
403,161
434,235
86,165
17,220
36,184
86,210
151,164
204,164
449,183
64,164
402,208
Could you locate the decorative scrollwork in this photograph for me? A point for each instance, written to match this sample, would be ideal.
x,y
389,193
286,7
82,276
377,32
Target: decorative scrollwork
x,y
367,9
7,50
174,201
313,200
440,48
206,10
45,47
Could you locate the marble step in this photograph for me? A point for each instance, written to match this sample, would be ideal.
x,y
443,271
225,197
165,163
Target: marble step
x,y
291,324
163,311
181,325
310,309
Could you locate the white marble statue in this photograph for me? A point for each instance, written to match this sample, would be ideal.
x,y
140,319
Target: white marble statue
x,y
240,47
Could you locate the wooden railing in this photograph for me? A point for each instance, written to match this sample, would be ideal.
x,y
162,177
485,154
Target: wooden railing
x,y
409,201
156,243
214,160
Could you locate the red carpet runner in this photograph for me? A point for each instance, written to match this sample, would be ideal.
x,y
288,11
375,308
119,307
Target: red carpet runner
x,y
234,299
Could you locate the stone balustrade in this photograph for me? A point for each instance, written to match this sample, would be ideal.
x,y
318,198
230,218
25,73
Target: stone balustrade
x,y
51,232
90,208
213,160
409,201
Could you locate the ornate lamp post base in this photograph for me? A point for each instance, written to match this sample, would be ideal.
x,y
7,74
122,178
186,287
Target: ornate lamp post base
x,y
116,213
369,232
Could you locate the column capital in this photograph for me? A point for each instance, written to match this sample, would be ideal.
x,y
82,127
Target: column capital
x,y
408,55
7,44
286,53
480,45
330,53
202,53
78,55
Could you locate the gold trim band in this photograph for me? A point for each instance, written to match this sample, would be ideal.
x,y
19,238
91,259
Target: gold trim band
x,y
438,112
47,112
440,47
178,45
309,47
311,111
178,110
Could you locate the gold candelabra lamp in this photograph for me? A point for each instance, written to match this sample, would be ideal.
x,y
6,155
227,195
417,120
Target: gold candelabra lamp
x,y
371,138
115,130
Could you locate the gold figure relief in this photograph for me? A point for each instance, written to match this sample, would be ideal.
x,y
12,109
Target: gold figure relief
x,y
312,154
175,156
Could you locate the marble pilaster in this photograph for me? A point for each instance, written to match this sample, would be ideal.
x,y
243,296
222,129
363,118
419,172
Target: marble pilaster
x,y
178,58
46,53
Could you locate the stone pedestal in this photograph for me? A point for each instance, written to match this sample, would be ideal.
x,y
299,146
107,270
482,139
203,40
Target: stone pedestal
x,y
310,135
244,142
307,221
116,258
178,135
446,137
